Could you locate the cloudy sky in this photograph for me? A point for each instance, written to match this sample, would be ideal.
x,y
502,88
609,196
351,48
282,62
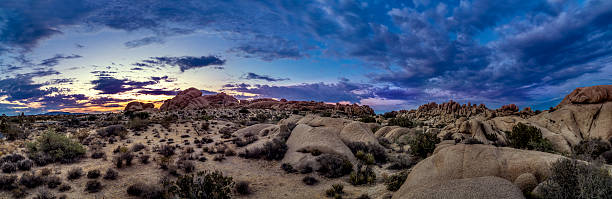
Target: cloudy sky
x,y
90,56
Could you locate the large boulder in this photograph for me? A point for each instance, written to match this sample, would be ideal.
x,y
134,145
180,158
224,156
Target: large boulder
x,y
589,95
358,132
461,161
138,106
181,100
305,139
468,188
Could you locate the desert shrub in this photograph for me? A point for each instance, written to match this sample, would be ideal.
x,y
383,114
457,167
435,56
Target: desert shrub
x,y
334,166
97,154
472,141
138,147
44,194
335,191
402,121
309,180
53,182
528,137
166,150
144,159
7,182
45,171
423,144
113,130
363,196
591,149
111,174
53,147
366,158
137,124
19,192
607,157
362,175
64,188
272,150
187,165
243,110
367,119
75,173
93,186
9,167
288,168
11,158
12,131
93,174
246,141
204,184
145,191
395,181
384,142
376,151
125,157
574,179
242,188
31,180
402,161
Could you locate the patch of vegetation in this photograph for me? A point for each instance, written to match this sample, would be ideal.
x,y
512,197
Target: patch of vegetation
x,y
571,178
53,147
75,173
333,166
591,149
366,158
9,167
11,131
274,149
93,174
402,121
111,174
138,147
113,130
204,184
309,180
7,182
44,194
528,137
362,176
31,180
423,144
367,119
138,124
243,188
402,161
93,186
376,151
146,191
335,191
53,182
166,150
395,181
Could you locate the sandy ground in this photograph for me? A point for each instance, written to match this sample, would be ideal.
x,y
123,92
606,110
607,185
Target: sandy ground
x,y
267,179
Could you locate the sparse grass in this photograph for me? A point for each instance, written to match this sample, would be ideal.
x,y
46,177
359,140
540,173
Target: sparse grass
x,y
203,185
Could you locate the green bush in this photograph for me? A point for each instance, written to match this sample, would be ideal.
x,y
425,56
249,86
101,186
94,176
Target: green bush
x,y
333,166
53,147
402,121
528,137
395,181
203,185
423,144
571,178
336,191
362,176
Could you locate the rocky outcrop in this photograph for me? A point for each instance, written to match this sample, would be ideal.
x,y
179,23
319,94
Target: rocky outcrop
x,y
468,188
589,95
138,106
452,162
192,99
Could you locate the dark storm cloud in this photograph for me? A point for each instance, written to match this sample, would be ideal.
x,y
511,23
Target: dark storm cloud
x,y
107,100
253,76
158,92
63,101
57,58
184,63
327,92
111,85
22,87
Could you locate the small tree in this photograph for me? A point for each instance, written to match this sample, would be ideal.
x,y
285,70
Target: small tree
x,y
54,147
528,137
423,144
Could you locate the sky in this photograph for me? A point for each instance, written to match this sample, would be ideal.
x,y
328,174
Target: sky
x,y
96,56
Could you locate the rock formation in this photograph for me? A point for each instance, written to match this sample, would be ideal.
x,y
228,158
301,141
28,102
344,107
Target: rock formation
x,y
192,99
453,162
138,106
